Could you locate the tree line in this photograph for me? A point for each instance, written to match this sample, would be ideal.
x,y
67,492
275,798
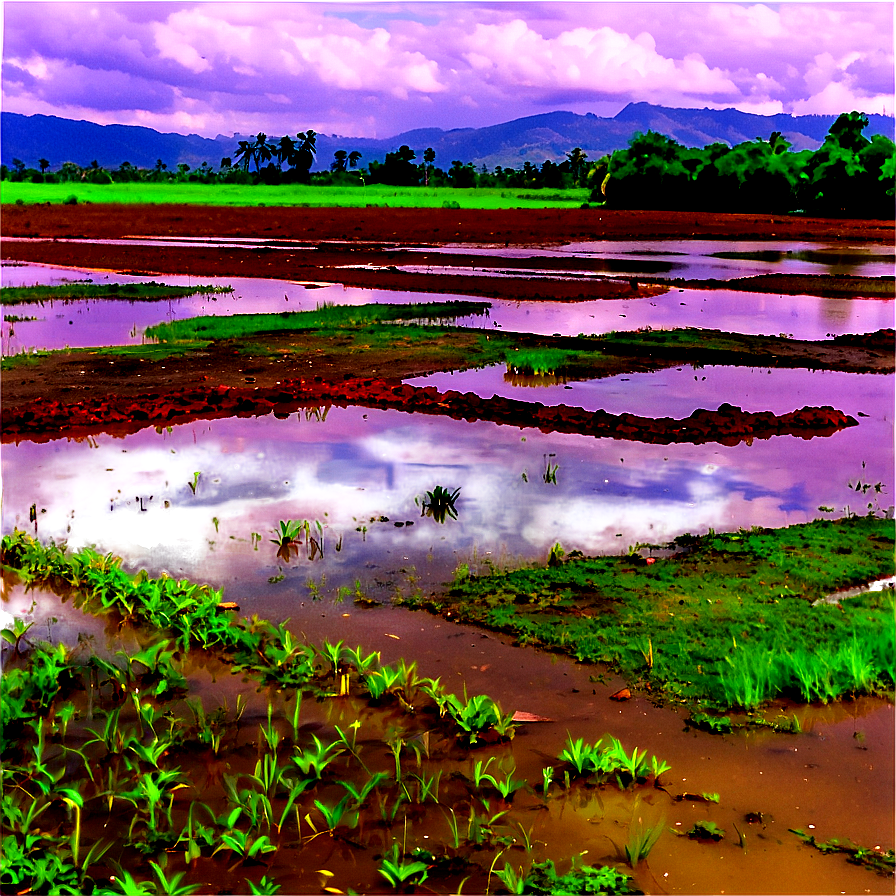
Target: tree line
x,y
850,174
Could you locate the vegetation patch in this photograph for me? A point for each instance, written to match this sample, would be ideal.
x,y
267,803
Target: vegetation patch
x,y
729,621
144,292
104,758
881,861
326,317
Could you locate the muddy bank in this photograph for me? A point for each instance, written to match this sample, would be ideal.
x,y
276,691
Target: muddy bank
x,y
521,227
728,425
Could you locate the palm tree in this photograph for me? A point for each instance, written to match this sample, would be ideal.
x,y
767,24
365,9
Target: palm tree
x,y
340,160
44,164
353,158
429,156
262,151
303,157
285,149
243,154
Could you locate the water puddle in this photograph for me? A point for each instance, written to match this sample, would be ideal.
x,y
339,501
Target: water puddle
x,y
708,259
86,322
359,472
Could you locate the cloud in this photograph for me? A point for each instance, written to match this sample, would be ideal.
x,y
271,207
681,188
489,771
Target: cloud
x,y
376,69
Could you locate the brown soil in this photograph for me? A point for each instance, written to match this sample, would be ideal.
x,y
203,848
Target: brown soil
x,y
369,237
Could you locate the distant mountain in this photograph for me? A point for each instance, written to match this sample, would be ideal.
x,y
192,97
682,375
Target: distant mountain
x,y
531,139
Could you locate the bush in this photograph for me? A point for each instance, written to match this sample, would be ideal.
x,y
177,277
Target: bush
x,y
70,200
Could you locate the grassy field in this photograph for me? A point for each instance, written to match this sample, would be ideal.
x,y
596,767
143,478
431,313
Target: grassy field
x,y
291,195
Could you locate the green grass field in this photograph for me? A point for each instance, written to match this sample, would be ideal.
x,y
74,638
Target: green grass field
x,y
290,195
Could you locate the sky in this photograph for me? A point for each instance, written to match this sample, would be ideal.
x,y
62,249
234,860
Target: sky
x,y
377,69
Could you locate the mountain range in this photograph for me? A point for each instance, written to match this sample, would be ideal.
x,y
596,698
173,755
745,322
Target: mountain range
x,y
531,139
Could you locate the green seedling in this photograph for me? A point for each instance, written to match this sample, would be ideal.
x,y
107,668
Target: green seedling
x,y
658,767
16,634
400,873
171,886
477,716
585,759
287,539
195,482
641,840
312,762
635,766
245,846
427,787
264,887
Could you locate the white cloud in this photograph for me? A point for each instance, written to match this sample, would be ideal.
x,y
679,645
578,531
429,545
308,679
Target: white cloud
x,y
513,55
838,96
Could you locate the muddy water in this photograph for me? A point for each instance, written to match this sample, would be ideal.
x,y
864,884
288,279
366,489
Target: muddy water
x,y
834,780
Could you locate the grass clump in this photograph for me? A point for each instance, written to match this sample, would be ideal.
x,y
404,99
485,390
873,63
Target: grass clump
x,y
730,621
540,361
134,292
324,318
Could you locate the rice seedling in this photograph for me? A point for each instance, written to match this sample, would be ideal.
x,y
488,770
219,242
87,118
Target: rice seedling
x,y
616,759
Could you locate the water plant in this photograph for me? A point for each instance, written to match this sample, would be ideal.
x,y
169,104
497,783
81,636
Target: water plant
x,y
439,503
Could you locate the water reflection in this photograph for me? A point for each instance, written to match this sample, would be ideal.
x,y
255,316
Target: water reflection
x,y
364,475
86,322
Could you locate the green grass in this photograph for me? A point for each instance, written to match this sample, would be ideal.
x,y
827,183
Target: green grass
x,y
729,622
146,352
292,195
146,292
325,318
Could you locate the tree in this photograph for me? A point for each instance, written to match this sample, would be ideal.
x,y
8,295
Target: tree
x,y
285,150
243,154
340,160
303,155
353,158
429,156
44,164
577,159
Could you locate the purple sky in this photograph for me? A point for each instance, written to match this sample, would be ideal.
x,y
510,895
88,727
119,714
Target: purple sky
x,y
376,69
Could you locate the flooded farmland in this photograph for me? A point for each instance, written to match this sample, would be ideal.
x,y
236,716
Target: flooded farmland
x,y
203,500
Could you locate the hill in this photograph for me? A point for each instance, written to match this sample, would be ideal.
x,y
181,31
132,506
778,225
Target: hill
x,y
533,139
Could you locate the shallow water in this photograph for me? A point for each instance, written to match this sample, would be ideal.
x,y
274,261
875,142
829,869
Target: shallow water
x,y
91,322
521,491
701,259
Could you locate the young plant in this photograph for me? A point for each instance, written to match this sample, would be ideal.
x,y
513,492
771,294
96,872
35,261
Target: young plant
x,y
400,873
641,840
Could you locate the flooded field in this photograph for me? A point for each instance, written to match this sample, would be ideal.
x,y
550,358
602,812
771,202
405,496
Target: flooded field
x,y
203,501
